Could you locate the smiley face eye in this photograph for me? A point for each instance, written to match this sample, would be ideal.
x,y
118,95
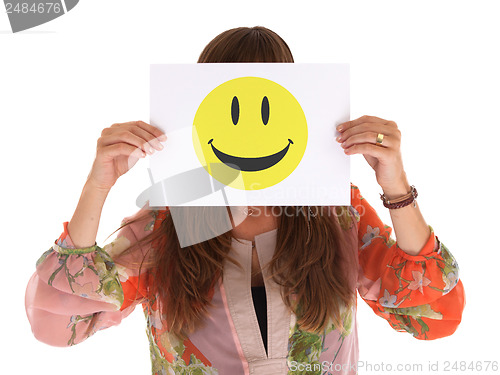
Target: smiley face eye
x,y
235,110
265,110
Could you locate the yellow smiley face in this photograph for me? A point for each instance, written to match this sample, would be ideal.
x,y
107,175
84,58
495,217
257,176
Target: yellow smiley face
x,y
250,133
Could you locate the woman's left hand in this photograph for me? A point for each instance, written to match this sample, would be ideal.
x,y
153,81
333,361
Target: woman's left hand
x,y
360,137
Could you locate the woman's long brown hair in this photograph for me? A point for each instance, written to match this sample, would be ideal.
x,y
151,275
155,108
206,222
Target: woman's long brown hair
x,y
316,272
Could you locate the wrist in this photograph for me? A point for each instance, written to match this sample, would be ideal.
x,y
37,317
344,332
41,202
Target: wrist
x,y
396,190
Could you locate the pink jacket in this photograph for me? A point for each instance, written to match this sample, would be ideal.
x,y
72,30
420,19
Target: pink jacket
x,y
76,292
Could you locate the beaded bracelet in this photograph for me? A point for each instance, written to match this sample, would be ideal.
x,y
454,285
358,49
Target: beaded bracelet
x,y
403,201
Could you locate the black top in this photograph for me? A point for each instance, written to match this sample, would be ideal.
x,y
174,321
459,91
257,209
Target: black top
x,y
260,305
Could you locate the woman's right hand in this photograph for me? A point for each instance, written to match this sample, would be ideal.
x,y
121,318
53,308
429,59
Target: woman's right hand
x,y
119,148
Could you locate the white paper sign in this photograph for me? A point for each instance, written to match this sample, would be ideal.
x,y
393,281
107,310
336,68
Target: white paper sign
x,y
249,134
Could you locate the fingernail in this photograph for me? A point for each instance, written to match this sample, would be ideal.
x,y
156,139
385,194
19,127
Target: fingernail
x,y
339,128
162,137
339,138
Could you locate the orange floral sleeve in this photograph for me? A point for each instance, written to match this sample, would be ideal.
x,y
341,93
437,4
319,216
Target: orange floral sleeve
x,y
420,294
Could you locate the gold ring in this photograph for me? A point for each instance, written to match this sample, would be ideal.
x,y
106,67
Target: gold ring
x,y
380,138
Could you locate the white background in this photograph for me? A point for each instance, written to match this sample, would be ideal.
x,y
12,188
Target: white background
x,y
430,66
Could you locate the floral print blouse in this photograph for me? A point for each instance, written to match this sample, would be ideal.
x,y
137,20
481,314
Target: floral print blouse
x,y
76,292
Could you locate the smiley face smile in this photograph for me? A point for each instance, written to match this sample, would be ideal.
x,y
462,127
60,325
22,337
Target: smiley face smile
x,y
250,164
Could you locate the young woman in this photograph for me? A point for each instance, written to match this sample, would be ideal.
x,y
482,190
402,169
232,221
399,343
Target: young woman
x,y
274,295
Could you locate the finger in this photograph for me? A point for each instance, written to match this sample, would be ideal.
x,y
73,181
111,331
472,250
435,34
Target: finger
x,y
119,149
147,137
368,127
368,149
366,137
157,133
349,124
127,137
